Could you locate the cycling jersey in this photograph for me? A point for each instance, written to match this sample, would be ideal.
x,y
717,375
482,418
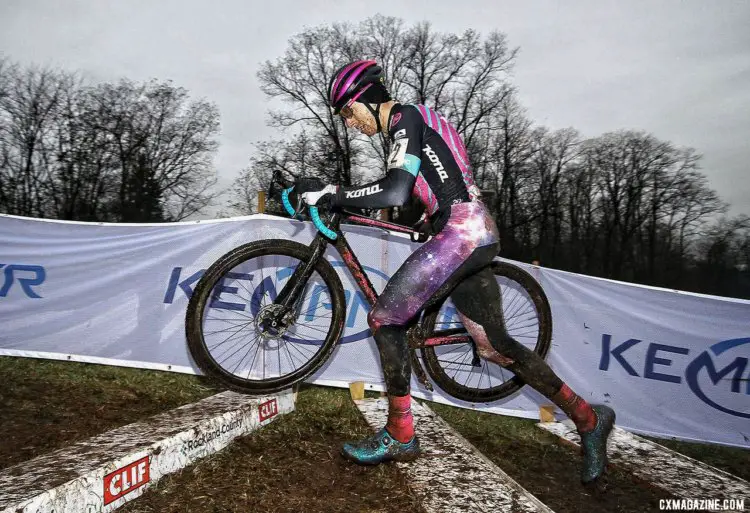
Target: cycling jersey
x,y
428,160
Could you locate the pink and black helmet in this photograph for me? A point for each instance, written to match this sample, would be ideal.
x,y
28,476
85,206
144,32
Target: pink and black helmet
x,y
358,80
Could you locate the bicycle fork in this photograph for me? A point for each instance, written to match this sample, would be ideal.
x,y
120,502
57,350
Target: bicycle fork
x,y
288,296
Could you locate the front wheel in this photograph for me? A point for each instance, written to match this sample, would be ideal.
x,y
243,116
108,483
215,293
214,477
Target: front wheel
x,y
457,368
232,322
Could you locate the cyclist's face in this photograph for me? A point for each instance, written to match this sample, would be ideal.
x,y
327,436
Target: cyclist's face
x,y
359,117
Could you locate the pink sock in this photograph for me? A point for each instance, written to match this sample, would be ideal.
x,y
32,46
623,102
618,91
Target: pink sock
x,y
400,421
576,408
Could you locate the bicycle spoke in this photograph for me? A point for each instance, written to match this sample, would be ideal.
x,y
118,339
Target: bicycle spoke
x,y
524,326
225,330
511,305
300,351
309,311
279,356
481,375
240,326
502,373
533,320
240,313
289,353
468,374
238,343
224,320
456,347
252,363
527,334
310,327
226,339
242,284
240,348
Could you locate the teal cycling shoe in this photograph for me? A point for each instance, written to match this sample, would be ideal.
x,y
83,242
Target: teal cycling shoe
x,y
594,445
379,448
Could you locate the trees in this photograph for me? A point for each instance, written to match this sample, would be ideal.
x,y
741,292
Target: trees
x,y
623,205
28,110
110,152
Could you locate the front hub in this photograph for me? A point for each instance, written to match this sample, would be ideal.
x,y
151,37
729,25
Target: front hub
x,y
270,322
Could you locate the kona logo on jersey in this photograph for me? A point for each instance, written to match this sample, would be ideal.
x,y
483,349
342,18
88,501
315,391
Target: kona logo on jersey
x,y
366,191
435,162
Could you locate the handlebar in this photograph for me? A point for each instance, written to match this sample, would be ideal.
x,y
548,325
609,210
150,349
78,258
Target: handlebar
x,y
314,215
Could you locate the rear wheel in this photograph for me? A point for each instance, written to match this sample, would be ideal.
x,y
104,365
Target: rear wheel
x,y
232,324
457,368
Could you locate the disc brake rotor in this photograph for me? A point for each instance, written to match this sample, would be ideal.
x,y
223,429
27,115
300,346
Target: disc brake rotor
x,y
267,322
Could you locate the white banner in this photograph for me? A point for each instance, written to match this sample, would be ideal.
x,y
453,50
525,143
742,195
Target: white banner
x,y
670,363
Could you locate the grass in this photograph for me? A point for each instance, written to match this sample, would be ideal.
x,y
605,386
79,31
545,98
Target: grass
x,y
104,380
730,459
293,464
47,404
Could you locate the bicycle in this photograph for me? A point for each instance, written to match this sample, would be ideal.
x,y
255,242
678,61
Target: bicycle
x,y
276,314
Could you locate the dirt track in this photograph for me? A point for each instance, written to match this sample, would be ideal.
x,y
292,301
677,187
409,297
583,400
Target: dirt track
x,y
293,464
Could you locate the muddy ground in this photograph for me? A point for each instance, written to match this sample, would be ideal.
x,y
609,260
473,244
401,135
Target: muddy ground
x,y
293,464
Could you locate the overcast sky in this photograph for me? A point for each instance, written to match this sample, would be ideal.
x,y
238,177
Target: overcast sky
x,y
678,69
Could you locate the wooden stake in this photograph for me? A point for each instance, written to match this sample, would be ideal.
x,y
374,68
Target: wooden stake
x,y
261,202
547,413
357,390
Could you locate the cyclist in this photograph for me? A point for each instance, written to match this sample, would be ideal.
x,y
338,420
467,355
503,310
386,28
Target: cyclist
x,y
428,159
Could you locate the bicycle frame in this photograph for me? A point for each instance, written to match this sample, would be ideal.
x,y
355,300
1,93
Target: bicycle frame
x,y
295,285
